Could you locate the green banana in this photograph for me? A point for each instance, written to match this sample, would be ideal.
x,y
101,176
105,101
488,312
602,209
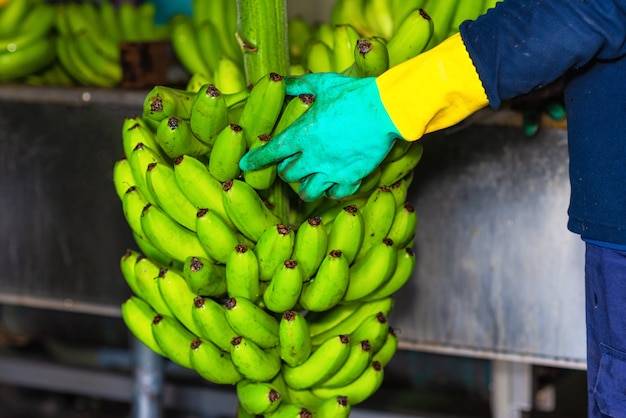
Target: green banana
x,y
127,267
441,12
404,269
358,360
294,339
127,22
398,149
334,407
292,111
321,364
185,44
373,329
263,178
299,32
388,350
263,107
258,397
246,210
359,389
393,171
290,410
137,316
210,318
324,32
345,38
273,247
229,76
179,298
284,288
302,397
212,363
347,232
147,275
328,287
378,216
310,246
208,44
175,137
216,235
162,184
463,11
254,362
154,254
400,9
108,18
351,12
37,23
19,61
242,273
133,203
411,37
229,147
344,319
252,322
167,235
122,177
199,187
142,156
136,131
100,62
378,15
400,190
372,270
163,102
12,14
173,339
371,58
403,227
209,114
204,278
319,57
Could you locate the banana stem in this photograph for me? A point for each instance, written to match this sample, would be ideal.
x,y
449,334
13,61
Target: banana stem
x,y
262,34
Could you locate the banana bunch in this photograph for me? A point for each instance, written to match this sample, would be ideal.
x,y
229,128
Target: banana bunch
x,y
90,34
26,38
238,279
206,43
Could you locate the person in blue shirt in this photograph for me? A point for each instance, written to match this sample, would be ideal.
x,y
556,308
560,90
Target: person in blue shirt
x,y
514,48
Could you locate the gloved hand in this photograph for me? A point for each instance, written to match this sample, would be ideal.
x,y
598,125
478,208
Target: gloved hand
x,y
354,122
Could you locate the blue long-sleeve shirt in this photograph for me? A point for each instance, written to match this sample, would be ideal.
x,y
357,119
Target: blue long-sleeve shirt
x,y
521,45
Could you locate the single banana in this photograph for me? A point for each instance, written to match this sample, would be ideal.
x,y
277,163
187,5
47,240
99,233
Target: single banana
x,y
335,321
254,362
378,216
258,398
108,18
463,11
263,178
242,273
212,363
405,265
216,235
400,9
290,410
371,58
294,339
137,316
292,111
321,364
328,287
246,210
197,81
379,16
185,44
122,177
209,46
263,107
319,57
163,102
284,288
209,114
393,171
360,357
398,149
411,38
210,318
334,407
173,339
229,76
374,329
127,267
441,12
127,19
371,271
133,203
347,232
228,148
402,229
400,190
167,235
204,278
388,350
359,389
142,156
179,298
146,276
324,32
161,181
12,14
345,39
310,246
273,247
136,131
351,12
252,322
299,32
199,187
154,254
175,137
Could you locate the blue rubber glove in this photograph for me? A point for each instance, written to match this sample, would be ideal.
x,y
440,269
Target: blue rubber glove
x,y
342,138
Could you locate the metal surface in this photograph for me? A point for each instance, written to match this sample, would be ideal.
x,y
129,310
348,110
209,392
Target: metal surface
x,y
498,274
61,226
149,378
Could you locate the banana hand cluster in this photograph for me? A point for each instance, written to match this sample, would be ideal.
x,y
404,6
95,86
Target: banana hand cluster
x,y
26,38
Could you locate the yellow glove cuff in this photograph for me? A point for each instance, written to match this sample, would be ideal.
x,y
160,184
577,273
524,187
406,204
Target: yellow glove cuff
x,y
432,91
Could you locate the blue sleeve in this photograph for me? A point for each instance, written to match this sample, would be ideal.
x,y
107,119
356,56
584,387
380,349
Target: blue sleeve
x,y
524,44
